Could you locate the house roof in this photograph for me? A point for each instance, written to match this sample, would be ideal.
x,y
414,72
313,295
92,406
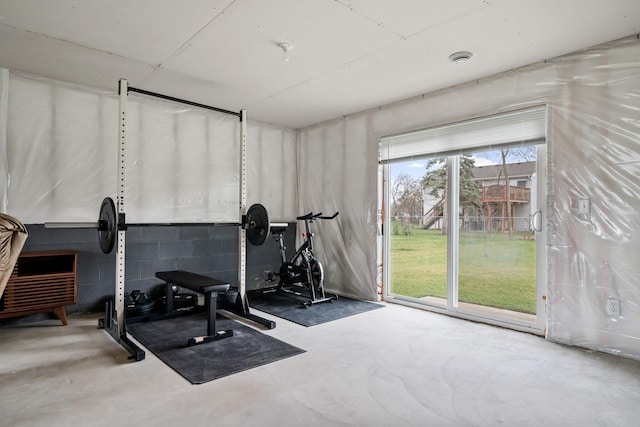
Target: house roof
x,y
514,170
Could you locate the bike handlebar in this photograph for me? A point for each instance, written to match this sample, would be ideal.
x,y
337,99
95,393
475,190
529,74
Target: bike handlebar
x,y
306,216
329,217
312,216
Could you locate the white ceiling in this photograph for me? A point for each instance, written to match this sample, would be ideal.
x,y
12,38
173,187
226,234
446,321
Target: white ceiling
x,y
347,56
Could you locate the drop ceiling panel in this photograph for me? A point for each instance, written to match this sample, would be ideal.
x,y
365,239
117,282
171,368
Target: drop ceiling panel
x,y
420,64
409,17
555,28
42,56
208,92
259,105
297,113
148,31
348,55
241,49
287,112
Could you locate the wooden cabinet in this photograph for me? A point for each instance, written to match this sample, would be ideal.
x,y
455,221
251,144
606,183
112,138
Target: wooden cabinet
x,y
41,282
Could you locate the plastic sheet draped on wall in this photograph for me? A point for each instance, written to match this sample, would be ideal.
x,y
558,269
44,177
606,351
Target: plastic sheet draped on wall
x,y
337,171
271,170
593,153
4,164
182,163
61,150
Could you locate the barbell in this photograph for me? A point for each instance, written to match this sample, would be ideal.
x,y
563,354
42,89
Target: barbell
x,y
256,222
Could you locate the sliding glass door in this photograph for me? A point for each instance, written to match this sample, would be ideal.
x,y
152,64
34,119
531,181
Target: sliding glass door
x,y
497,239
465,232
417,234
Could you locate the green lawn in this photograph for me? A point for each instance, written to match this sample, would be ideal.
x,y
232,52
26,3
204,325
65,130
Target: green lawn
x,y
493,271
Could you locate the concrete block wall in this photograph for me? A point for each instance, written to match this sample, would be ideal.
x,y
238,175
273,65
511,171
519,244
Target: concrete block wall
x,y
209,250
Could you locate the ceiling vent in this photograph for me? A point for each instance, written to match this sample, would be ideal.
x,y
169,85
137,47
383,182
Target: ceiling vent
x,y
460,57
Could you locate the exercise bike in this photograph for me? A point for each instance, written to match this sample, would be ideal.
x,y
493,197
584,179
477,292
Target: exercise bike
x,y
303,270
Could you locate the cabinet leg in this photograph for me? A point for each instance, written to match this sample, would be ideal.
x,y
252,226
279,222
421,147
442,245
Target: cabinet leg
x,y
62,314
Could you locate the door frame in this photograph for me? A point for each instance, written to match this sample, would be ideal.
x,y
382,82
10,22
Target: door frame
x,y
452,307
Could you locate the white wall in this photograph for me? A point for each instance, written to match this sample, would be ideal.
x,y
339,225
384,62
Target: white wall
x,y
594,152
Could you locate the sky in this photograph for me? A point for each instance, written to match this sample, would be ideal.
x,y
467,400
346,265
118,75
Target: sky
x,y
417,168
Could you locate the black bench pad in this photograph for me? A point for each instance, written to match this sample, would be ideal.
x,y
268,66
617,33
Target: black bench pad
x,y
193,281
204,285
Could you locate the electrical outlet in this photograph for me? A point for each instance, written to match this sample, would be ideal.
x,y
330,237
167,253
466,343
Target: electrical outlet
x,y
613,307
583,206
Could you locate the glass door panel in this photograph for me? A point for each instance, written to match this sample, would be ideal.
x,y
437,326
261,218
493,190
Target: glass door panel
x,y
497,245
417,237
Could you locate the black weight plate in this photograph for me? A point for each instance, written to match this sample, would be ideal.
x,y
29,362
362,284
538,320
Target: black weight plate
x,y
107,232
257,224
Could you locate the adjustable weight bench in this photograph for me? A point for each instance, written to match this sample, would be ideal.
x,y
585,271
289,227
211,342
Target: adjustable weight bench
x,y
201,284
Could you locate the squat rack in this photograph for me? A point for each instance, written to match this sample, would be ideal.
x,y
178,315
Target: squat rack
x,y
114,321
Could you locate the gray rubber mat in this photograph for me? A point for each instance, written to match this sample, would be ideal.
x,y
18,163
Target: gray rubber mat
x,y
246,349
290,307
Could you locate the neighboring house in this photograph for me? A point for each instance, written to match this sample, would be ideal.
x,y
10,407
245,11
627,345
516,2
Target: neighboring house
x,y
493,214
493,194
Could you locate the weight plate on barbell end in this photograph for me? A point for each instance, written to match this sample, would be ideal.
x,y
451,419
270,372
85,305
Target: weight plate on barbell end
x,y
107,225
257,224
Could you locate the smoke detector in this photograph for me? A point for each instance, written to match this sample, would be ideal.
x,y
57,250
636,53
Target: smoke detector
x,y
460,57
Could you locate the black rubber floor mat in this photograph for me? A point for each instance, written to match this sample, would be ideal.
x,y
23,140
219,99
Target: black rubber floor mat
x,y
291,308
246,349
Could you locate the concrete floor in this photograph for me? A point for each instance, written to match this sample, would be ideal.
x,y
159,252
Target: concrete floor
x,y
397,366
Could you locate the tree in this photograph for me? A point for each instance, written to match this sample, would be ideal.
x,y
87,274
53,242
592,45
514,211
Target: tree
x,y
436,180
507,189
523,154
406,194
469,194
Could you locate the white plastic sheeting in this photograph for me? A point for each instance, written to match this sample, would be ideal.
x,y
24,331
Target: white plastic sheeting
x,y
593,153
4,164
61,151
338,172
182,163
271,170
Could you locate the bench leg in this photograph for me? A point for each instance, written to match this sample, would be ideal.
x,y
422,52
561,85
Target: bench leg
x,y
210,302
169,298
